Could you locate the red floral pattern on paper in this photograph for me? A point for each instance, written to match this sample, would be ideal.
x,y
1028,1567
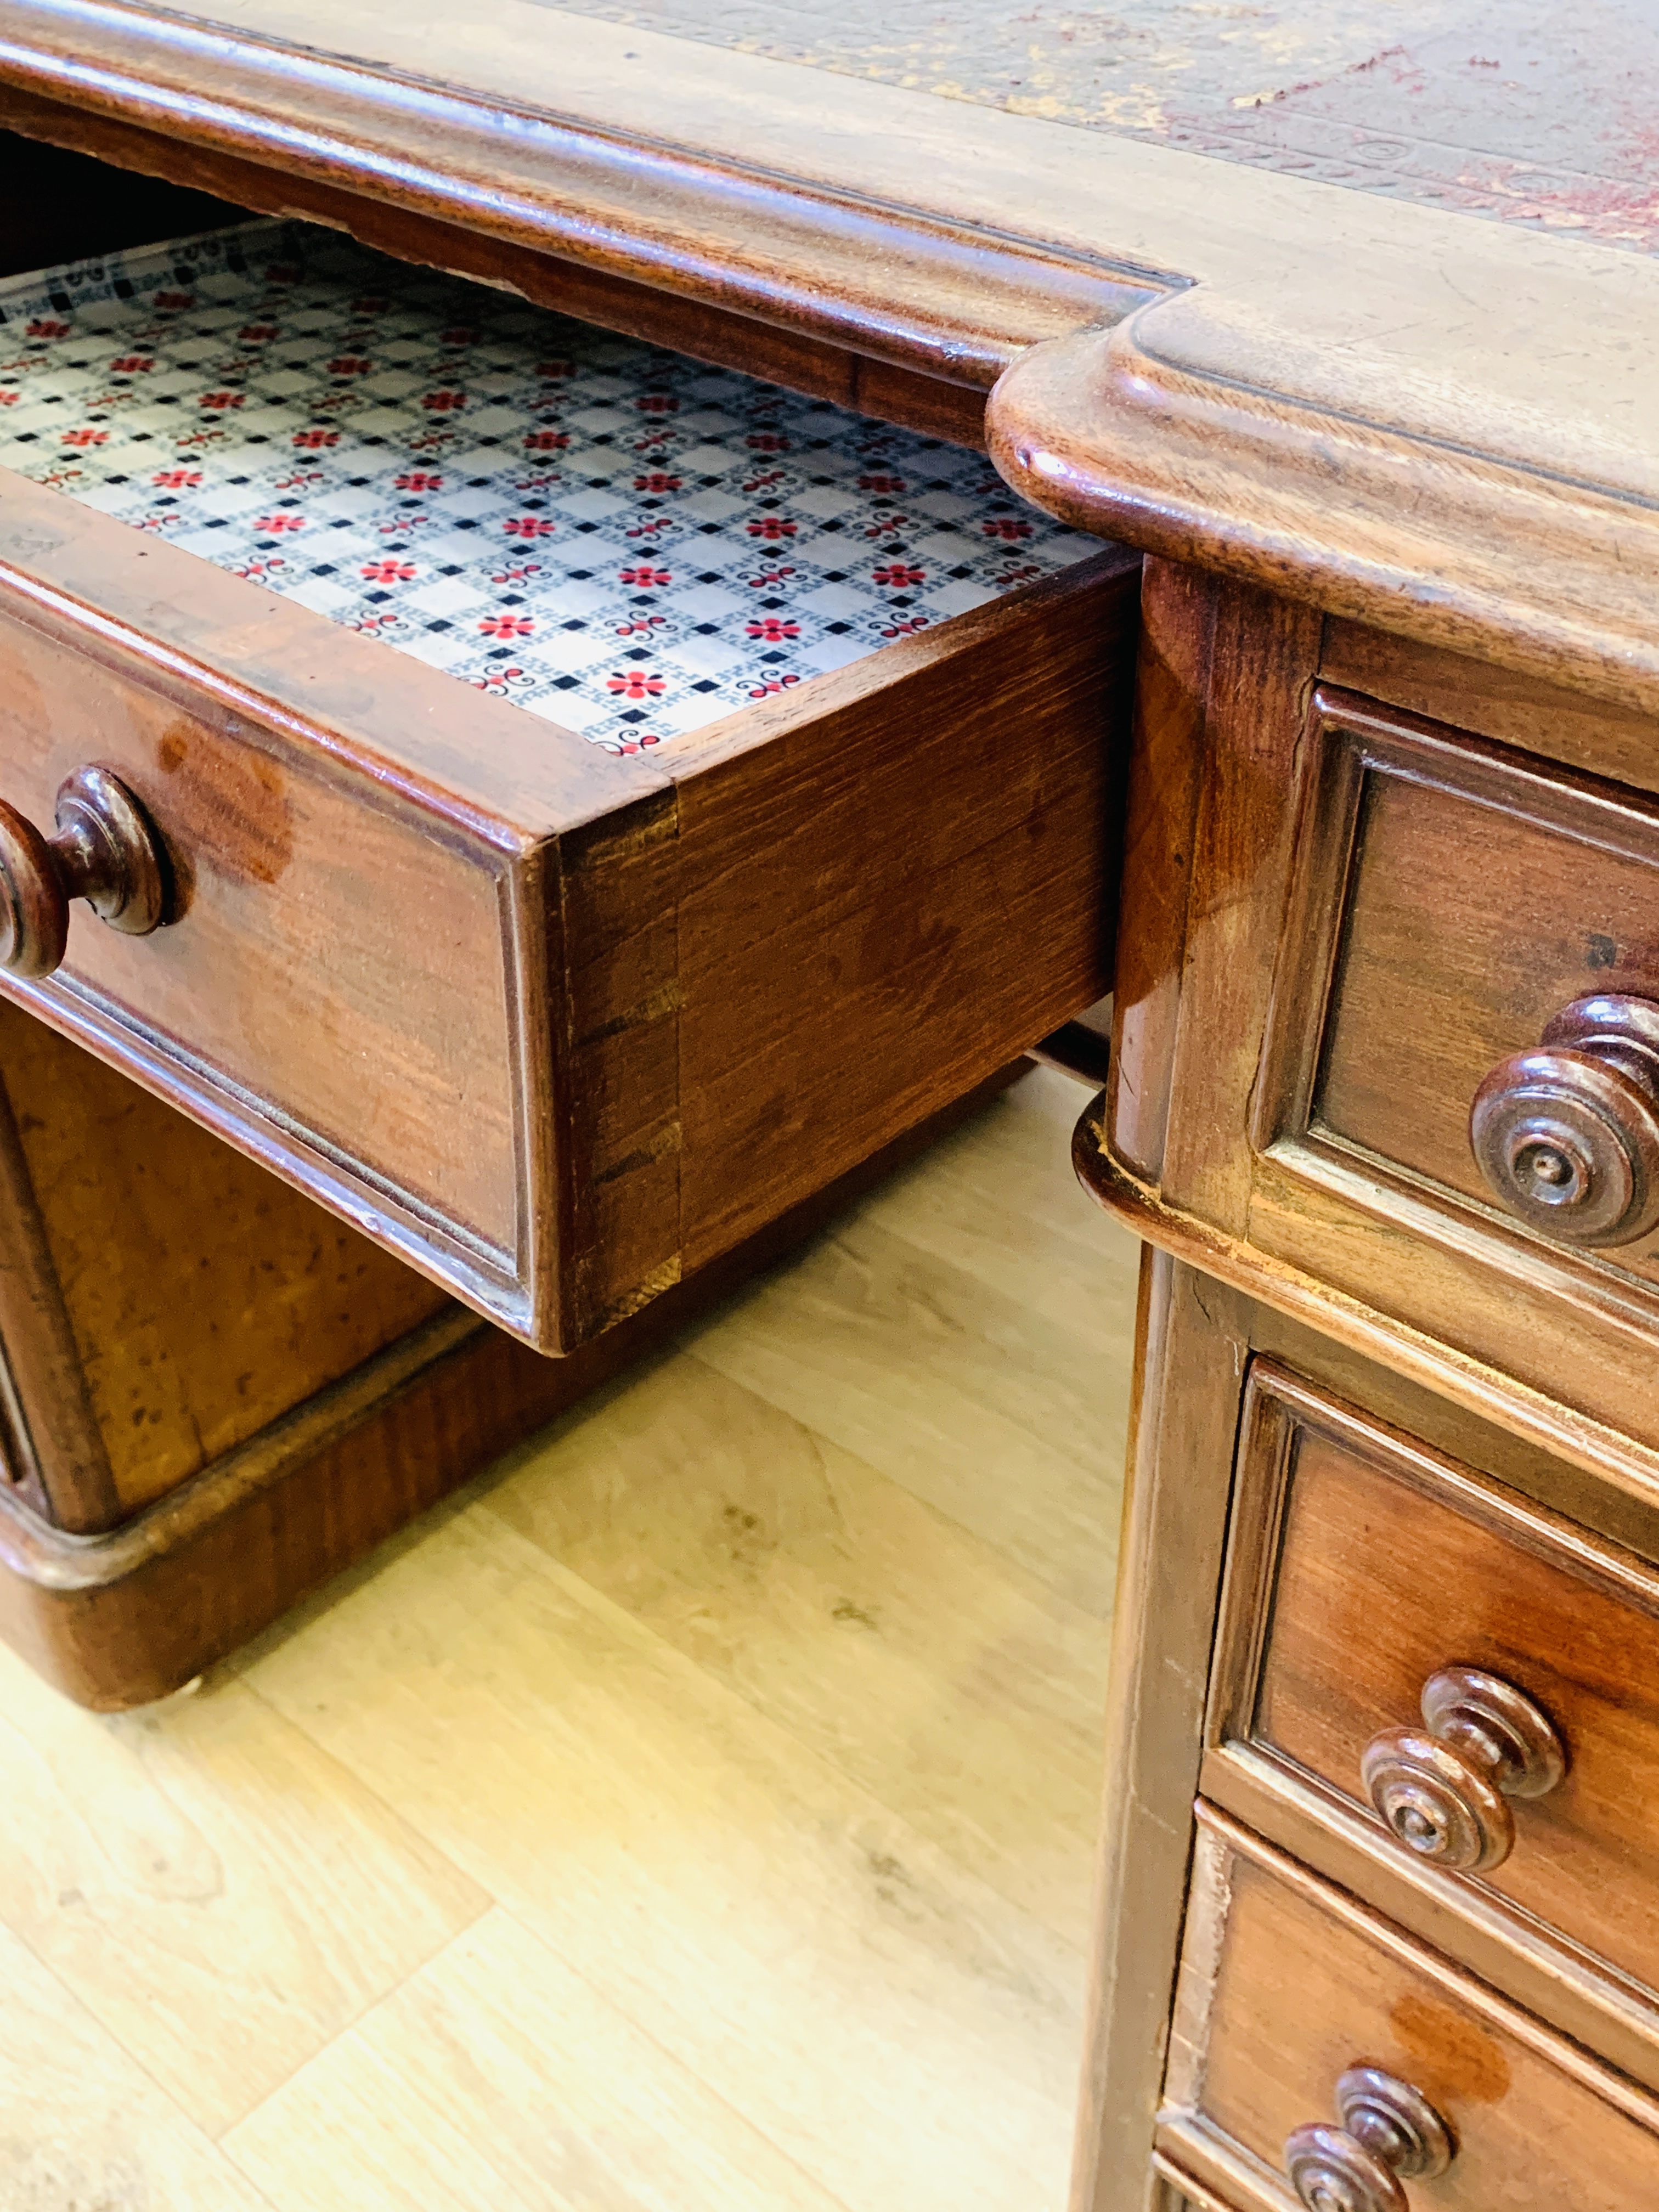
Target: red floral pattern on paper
x,y
616,538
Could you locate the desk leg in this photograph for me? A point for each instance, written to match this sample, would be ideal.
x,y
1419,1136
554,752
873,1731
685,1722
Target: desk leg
x,y
1189,1355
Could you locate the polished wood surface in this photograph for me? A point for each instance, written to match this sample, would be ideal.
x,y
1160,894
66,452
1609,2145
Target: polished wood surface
x,y
187,187
699,1813
202,1299
207,1422
1343,409
1235,984
1201,354
1286,1984
1184,1705
1487,960
723,231
1188,1361
566,971
104,849
1365,1564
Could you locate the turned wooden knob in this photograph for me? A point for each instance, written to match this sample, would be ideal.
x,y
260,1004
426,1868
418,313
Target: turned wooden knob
x,y
106,851
1445,1794
1389,2133
1568,1136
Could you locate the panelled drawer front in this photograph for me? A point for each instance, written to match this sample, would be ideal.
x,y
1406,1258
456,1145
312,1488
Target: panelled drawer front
x,y
1451,900
1287,1983
555,1026
1362,1565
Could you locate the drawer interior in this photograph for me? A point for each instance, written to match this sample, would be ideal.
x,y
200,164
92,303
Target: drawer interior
x,y
611,798
622,540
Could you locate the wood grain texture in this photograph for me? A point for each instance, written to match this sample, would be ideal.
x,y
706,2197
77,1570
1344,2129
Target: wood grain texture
x,y
747,1861
1285,1983
206,1299
1559,908
1180,432
1443,1568
1332,1285
819,1586
922,294
124,1617
494,2080
224,1913
56,1462
1250,333
1172,687
192,187
1580,731
1188,1353
499,2071
1247,729
916,940
82,2120
353,900
800,1945
1321,1097
924,1371
603,1002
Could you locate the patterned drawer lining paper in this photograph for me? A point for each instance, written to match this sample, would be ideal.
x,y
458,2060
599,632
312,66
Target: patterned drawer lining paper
x,y
620,539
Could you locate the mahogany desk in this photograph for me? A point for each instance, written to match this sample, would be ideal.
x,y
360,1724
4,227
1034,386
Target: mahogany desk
x,y
1348,322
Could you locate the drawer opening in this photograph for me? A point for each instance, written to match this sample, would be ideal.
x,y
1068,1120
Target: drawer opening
x,y
621,539
613,798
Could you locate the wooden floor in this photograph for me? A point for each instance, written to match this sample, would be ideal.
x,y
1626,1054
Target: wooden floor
x,y
695,1816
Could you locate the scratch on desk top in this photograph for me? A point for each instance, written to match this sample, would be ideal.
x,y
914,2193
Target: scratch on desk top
x,y
1521,111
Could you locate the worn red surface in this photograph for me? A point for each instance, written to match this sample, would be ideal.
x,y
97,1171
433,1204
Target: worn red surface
x,y
1519,110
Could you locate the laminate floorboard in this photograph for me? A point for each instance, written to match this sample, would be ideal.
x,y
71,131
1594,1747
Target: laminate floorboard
x,y
496,2081
959,1690
697,1812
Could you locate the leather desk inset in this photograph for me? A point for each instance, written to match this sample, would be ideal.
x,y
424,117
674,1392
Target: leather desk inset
x,y
1346,320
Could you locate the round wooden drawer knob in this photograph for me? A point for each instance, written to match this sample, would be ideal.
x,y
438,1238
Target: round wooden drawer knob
x,y
1389,2133
1444,1795
1568,1135
106,851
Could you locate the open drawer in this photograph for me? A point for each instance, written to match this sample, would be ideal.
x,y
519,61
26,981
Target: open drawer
x,y
745,790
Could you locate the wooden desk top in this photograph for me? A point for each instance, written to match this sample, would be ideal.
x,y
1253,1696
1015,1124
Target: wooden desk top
x,y
1446,425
